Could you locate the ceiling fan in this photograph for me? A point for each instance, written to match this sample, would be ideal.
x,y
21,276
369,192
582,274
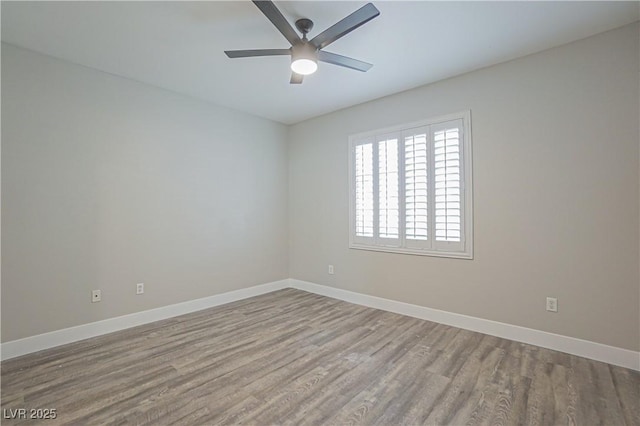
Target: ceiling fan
x,y
304,53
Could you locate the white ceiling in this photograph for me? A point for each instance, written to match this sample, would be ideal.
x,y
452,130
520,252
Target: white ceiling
x,y
179,45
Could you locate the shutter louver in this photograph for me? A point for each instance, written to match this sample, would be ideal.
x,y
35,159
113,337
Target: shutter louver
x,y
364,190
388,203
415,176
446,144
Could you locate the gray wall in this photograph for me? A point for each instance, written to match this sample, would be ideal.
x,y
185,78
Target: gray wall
x,y
555,145
107,182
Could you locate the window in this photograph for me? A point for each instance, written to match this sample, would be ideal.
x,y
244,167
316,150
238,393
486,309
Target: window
x,y
410,188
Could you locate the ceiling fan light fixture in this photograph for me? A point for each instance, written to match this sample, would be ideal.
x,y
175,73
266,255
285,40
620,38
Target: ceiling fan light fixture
x,y
304,66
304,58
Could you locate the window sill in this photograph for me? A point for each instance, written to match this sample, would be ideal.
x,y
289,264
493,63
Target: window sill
x,y
415,252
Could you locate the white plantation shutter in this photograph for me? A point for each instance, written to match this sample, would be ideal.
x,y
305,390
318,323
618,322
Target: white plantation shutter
x,y
447,173
411,189
388,190
364,208
416,158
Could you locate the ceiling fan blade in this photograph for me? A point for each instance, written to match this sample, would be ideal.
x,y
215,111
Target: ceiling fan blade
x,y
348,24
296,78
275,16
343,61
257,52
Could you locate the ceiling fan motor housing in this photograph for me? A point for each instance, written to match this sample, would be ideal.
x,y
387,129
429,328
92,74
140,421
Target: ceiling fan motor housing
x,y
304,50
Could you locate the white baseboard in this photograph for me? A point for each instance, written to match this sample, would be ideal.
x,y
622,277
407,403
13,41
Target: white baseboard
x,y
584,348
73,334
597,351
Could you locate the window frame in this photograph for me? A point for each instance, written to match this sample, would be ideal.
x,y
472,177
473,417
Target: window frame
x,y
437,249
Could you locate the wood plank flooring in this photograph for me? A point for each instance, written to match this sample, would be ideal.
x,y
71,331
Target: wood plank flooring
x,y
292,357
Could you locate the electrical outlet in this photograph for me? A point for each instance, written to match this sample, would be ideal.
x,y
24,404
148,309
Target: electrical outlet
x,y
140,288
96,296
330,269
552,304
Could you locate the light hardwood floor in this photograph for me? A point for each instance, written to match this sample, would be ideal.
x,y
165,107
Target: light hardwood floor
x,y
292,357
